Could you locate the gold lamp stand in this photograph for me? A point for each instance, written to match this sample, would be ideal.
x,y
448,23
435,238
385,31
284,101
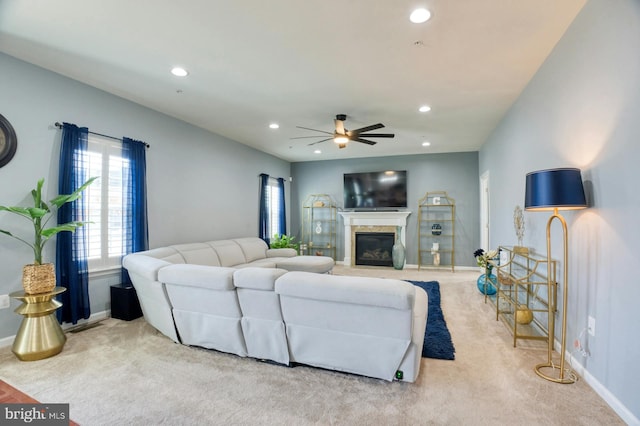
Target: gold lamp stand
x,y
553,190
549,370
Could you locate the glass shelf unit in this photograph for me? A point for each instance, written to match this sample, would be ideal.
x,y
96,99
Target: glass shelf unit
x,y
436,231
319,226
522,280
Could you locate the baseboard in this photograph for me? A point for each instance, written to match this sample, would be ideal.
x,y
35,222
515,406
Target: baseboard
x,y
99,316
613,402
7,341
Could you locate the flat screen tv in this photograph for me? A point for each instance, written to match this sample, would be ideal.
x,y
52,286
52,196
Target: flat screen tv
x,y
375,190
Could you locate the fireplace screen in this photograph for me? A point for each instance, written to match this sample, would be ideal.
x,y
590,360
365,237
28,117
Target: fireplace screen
x,y
374,248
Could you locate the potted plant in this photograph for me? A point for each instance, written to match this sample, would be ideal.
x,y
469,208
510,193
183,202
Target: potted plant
x,y
39,277
283,241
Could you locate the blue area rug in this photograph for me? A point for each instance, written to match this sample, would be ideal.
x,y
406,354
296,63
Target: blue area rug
x,y
437,339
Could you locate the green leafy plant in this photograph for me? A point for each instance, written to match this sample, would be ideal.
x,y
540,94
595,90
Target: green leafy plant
x,y
40,214
283,241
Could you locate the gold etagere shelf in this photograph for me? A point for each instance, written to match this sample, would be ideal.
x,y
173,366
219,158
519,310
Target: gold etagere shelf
x,y
521,293
436,231
319,226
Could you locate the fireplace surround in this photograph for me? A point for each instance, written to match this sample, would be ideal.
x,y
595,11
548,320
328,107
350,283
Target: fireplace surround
x,y
370,222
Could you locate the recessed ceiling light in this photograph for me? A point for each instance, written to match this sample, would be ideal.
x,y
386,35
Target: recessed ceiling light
x,y
317,151
424,108
419,16
179,72
425,143
274,126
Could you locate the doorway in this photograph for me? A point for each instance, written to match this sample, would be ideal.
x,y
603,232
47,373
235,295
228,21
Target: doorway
x,y
484,211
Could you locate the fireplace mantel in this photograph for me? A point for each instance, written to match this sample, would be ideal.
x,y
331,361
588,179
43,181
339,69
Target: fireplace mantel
x,y
353,220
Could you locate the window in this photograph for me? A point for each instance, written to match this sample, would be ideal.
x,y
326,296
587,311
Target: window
x,y
273,204
106,233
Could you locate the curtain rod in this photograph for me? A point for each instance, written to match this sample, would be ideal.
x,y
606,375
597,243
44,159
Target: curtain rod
x,y
59,126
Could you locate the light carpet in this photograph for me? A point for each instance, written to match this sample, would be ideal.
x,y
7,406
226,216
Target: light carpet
x,y
127,373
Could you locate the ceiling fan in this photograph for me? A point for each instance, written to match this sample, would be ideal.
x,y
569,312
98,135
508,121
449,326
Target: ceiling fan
x,y
342,136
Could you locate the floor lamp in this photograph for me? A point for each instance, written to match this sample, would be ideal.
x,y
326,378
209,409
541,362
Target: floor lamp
x,y
554,190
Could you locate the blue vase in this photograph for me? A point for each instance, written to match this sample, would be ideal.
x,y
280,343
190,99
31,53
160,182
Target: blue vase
x,y
397,251
488,287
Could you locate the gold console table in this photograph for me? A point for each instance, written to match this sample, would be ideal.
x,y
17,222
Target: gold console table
x,y
40,335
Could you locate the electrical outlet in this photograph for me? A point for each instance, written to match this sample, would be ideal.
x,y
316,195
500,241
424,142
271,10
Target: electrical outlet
x,y
592,326
4,301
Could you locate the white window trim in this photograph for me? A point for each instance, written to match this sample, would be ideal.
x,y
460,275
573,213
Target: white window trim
x,y
106,147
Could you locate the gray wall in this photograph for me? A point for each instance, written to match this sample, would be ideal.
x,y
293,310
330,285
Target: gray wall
x,y
201,186
455,173
582,110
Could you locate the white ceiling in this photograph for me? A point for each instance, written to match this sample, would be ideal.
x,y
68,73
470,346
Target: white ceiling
x,y
301,62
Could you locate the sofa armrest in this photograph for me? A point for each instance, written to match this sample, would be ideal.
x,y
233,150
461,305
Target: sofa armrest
x,y
144,266
282,252
209,277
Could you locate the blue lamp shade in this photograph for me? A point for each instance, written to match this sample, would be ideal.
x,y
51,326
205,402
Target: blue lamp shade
x,y
554,189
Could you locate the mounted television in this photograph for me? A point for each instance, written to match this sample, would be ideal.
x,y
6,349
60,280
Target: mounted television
x,y
375,190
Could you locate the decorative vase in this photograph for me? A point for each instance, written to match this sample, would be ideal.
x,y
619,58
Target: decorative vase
x,y
397,251
436,229
38,279
487,287
524,315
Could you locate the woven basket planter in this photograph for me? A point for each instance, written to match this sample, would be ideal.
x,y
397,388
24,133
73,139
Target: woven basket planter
x,y
38,278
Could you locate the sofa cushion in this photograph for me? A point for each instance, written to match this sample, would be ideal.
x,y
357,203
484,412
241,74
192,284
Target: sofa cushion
x,y
252,248
257,278
212,277
229,252
281,252
316,264
168,254
198,254
368,291
260,263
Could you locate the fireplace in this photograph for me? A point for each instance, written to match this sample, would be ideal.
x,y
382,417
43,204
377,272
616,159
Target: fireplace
x,y
371,222
374,248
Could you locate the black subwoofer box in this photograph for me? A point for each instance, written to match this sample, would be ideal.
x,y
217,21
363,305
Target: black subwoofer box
x,y
124,302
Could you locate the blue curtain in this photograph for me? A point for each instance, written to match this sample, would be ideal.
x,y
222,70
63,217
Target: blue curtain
x,y
134,212
263,226
71,248
282,218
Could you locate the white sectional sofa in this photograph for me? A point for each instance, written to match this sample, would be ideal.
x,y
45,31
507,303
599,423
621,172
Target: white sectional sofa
x,y
260,309
196,260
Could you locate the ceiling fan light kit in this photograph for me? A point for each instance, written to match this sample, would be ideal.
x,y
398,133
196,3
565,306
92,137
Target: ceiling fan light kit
x,y
340,139
341,136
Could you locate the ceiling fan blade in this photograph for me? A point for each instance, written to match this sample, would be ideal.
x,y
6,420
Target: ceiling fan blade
x,y
323,140
378,135
306,137
315,130
367,129
339,126
364,141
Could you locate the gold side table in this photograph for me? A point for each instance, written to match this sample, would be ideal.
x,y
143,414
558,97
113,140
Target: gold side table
x,y
40,335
